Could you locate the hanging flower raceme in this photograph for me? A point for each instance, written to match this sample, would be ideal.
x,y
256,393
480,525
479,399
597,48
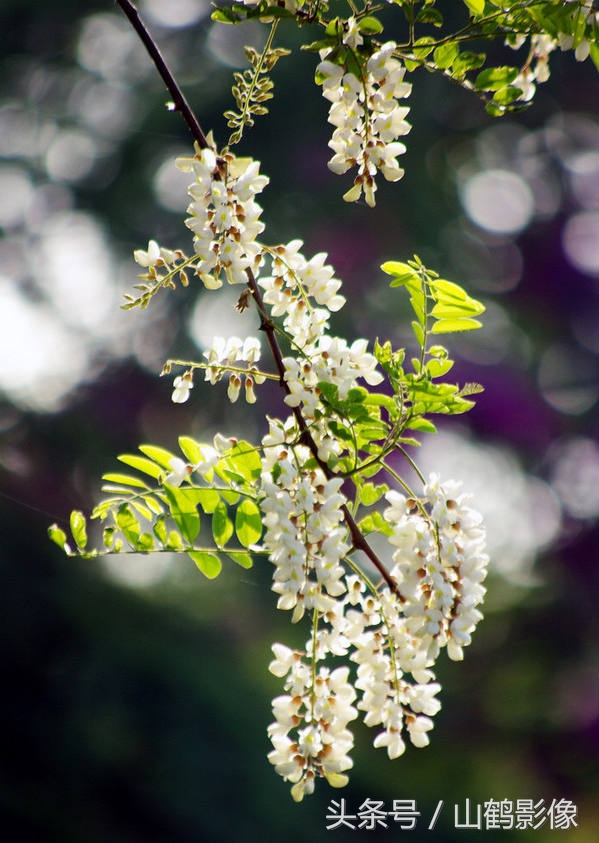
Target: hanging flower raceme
x,y
393,637
367,116
224,216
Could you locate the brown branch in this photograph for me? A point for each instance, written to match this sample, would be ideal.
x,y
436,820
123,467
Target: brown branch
x,y
174,90
358,540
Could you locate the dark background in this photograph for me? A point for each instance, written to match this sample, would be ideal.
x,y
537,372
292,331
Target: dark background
x,y
135,694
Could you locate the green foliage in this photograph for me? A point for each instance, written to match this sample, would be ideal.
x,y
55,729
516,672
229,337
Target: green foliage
x,y
143,517
253,87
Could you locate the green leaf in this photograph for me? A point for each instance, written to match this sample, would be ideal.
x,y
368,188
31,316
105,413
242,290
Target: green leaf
x,y
424,46
424,425
78,529
370,494
437,368
494,78
125,480
184,510
108,536
128,524
59,537
448,291
430,15
241,557
506,96
160,530
476,7
222,526
446,54
191,449
370,25
225,15
175,542
141,464
207,498
145,543
402,273
375,523
157,454
208,563
450,326
154,505
248,523
245,461
467,61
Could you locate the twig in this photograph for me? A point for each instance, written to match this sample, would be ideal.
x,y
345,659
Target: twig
x,y
174,90
358,539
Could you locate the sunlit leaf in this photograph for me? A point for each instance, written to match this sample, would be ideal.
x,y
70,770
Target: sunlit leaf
x,y
78,529
184,510
222,526
159,455
191,449
476,7
125,480
248,523
141,464
59,537
208,563
450,326
241,557
371,493
128,524
494,78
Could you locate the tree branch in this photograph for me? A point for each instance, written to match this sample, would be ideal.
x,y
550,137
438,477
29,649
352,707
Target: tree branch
x,y
358,540
174,90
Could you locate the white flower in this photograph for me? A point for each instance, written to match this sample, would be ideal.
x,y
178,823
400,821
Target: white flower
x,y
352,36
182,386
366,116
150,257
180,471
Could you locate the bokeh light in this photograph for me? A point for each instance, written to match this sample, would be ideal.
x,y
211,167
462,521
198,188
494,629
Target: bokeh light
x,y
499,201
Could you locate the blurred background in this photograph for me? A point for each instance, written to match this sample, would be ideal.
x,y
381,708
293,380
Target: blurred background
x,y
136,695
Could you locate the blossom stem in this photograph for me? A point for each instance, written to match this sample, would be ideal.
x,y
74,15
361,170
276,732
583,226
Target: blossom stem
x,y
174,90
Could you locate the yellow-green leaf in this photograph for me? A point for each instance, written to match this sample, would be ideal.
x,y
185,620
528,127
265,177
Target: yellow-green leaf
x,y
59,537
141,464
125,480
222,526
208,563
78,529
248,523
184,510
450,326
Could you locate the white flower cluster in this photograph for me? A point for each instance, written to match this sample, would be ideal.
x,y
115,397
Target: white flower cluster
x,y
317,710
224,216
304,531
440,565
393,636
236,358
367,116
536,68
304,292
